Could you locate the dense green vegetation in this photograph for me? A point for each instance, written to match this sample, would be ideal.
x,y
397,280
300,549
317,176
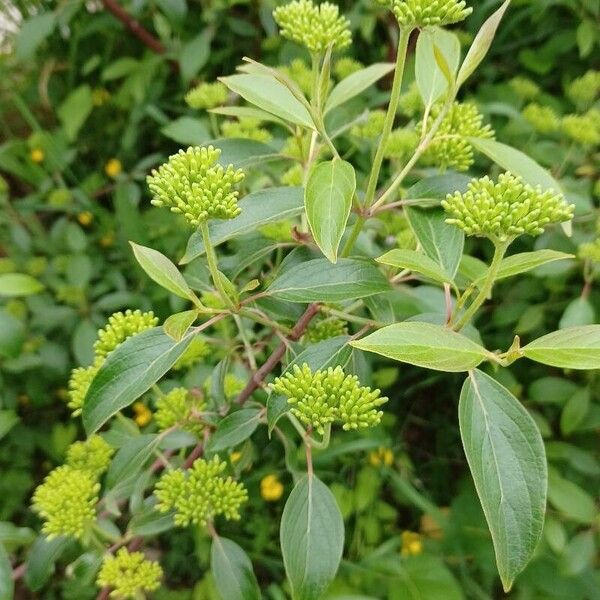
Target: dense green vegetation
x,y
164,376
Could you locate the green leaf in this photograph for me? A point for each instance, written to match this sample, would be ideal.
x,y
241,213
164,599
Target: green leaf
x,y
571,348
516,162
234,429
244,153
424,345
269,94
328,200
195,54
131,458
232,571
12,335
312,538
32,33
441,242
41,559
575,411
578,312
8,419
161,270
481,44
75,109
19,284
569,499
248,111
187,131
356,83
265,206
506,456
128,372
148,521
438,187
416,262
177,325
431,81
7,586
319,281
526,261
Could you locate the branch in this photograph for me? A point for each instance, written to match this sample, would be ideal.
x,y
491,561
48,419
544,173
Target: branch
x,y
273,360
134,26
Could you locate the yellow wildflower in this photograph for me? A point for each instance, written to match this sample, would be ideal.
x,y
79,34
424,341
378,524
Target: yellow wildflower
x,y
85,218
143,415
37,155
234,457
412,544
271,489
381,456
113,167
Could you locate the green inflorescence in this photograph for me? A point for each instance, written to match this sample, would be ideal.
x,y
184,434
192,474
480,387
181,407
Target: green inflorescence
x,y
79,383
401,144
299,72
314,26
326,329
197,351
247,128
585,89
372,127
422,13
200,494
346,66
524,87
582,129
121,326
193,184
180,408
66,501
294,176
207,95
542,118
505,209
449,149
590,251
130,574
92,456
323,397
410,103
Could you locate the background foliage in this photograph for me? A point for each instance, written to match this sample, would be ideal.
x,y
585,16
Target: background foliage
x,y
87,109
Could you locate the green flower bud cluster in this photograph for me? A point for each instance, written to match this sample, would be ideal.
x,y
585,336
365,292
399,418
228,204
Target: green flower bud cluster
x,y
506,209
130,574
371,129
193,184
585,89
121,326
92,456
326,329
411,103
66,500
524,87
195,353
449,149
300,73
542,118
590,251
346,66
207,95
421,13
182,409
296,148
583,129
247,128
232,385
294,176
315,27
200,494
330,396
59,197
401,144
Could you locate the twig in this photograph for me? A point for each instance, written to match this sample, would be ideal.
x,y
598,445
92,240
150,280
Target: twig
x,y
273,360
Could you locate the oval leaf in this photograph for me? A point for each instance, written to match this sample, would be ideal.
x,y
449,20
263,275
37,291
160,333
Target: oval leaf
x,y
232,571
424,345
328,200
506,456
416,262
131,458
318,281
571,348
19,284
356,83
234,429
269,94
40,563
129,372
258,209
161,270
312,538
